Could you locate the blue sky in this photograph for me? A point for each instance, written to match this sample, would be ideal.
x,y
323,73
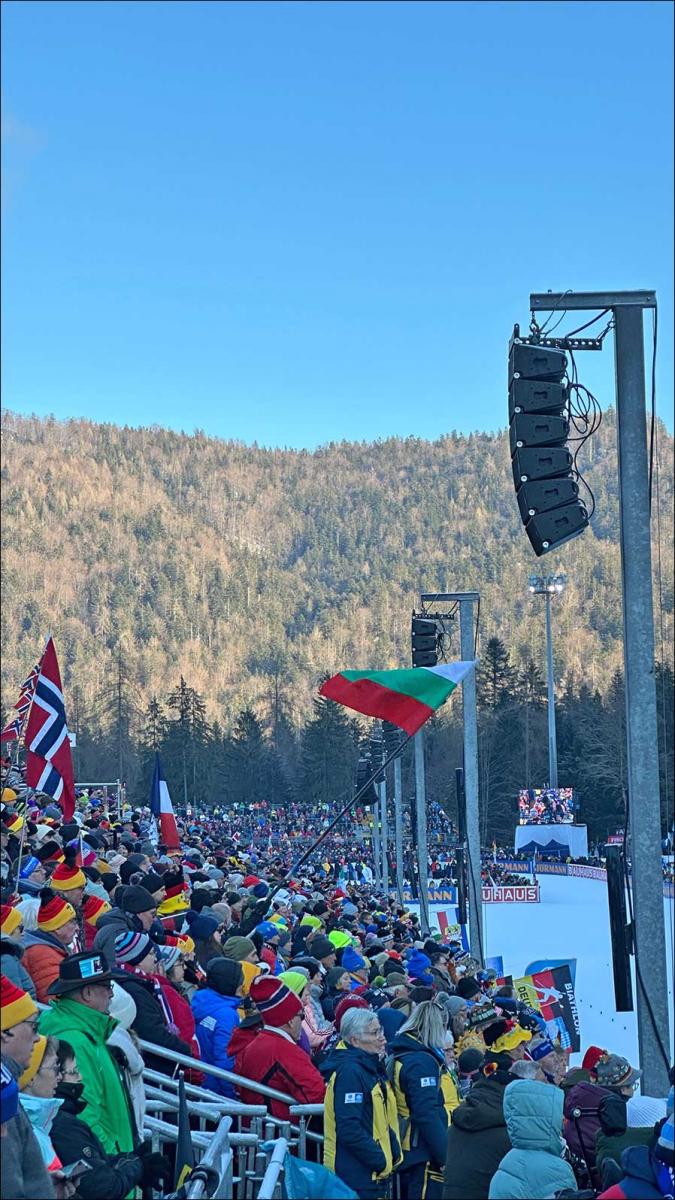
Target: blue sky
x,y
302,222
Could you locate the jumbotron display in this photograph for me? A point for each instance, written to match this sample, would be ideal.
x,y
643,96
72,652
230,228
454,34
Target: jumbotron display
x,y
546,806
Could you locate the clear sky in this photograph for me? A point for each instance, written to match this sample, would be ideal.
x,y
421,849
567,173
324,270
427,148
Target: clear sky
x,y
301,222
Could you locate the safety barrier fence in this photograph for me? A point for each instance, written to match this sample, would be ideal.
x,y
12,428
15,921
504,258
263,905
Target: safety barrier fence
x,y
253,1132
270,1186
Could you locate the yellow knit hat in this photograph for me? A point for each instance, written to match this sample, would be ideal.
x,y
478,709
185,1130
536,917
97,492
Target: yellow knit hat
x,y
11,919
250,971
36,1056
15,1005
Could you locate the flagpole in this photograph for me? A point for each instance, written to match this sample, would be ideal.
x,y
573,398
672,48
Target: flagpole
x,y
342,813
21,845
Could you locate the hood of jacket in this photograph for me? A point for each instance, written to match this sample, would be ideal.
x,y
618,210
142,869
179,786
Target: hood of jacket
x,y
369,1063
533,1112
483,1107
585,1095
405,1043
12,948
39,937
40,1112
120,1039
637,1162
208,1003
115,917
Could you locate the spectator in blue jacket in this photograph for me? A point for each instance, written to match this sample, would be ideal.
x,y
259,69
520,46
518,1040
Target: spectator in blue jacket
x,y
425,1096
216,1014
361,1142
533,1112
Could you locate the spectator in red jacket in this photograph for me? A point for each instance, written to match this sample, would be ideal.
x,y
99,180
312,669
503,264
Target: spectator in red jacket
x,y
273,1056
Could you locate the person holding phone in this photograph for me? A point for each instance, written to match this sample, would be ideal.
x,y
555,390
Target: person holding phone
x,y
99,1176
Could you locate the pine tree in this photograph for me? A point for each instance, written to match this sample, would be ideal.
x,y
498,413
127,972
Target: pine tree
x,y
496,674
329,748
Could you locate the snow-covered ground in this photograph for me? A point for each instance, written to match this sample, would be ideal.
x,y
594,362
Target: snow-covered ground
x,y
572,921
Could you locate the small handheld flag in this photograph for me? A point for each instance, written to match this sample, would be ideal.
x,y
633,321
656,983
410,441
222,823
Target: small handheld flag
x,y
185,1157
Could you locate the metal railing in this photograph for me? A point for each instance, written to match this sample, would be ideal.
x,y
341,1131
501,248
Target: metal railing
x,y
185,1060
270,1187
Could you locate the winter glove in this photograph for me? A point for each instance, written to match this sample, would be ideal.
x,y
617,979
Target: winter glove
x,y
156,1169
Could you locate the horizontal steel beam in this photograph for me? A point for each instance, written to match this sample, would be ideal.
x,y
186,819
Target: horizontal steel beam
x,y
427,597
555,301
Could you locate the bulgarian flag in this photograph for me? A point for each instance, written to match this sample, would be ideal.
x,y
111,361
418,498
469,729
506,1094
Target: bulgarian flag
x,y
407,698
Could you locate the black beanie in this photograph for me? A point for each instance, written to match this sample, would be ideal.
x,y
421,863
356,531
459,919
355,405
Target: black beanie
x,y
152,882
467,987
321,947
224,975
136,900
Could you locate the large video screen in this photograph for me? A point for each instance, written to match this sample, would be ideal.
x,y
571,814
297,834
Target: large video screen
x,y
546,806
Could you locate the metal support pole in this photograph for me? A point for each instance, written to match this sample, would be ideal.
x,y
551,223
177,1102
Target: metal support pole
x,y
422,847
641,724
398,829
375,810
552,743
384,837
466,627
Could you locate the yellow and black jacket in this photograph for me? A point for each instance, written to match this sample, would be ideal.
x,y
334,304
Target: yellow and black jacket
x,y
360,1120
426,1095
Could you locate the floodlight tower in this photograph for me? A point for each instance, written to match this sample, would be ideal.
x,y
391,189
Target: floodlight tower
x,y
548,586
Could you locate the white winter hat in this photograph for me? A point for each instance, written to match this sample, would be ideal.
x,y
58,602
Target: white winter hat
x,y
122,1006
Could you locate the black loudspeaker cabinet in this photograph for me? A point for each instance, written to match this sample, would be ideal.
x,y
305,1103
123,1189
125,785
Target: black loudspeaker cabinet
x,y
616,896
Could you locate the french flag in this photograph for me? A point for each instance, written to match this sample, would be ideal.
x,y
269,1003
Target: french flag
x,y
162,808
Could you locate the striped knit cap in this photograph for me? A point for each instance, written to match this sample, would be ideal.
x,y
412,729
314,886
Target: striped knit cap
x,y
53,912
276,1003
10,919
15,1004
66,879
131,948
93,908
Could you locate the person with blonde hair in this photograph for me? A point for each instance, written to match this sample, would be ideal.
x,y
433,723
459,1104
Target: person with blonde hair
x,y
426,1094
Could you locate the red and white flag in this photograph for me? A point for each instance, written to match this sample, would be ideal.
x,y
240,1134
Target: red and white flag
x,y
162,808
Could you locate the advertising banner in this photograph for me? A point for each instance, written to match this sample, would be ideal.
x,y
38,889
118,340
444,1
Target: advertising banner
x,y
583,872
518,865
447,894
527,893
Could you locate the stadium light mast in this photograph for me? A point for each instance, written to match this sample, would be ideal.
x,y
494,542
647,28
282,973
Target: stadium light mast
x,y
548,586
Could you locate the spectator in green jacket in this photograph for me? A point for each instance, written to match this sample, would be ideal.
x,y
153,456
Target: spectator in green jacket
x,y
79,1013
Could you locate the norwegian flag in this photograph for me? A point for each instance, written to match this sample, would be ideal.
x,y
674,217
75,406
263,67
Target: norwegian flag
x,y
49,763
14,729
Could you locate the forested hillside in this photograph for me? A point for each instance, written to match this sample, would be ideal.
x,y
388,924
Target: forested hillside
x,y
251,572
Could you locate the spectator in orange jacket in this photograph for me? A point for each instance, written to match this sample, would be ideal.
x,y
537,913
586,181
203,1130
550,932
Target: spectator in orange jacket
x,y
47,946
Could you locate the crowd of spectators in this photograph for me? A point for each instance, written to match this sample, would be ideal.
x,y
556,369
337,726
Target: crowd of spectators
x,y
434,1078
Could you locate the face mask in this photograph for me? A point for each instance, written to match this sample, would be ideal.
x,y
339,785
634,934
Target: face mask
x,y
69,1091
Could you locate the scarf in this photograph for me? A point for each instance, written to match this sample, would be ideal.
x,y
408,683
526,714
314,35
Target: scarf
x,y
159,994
